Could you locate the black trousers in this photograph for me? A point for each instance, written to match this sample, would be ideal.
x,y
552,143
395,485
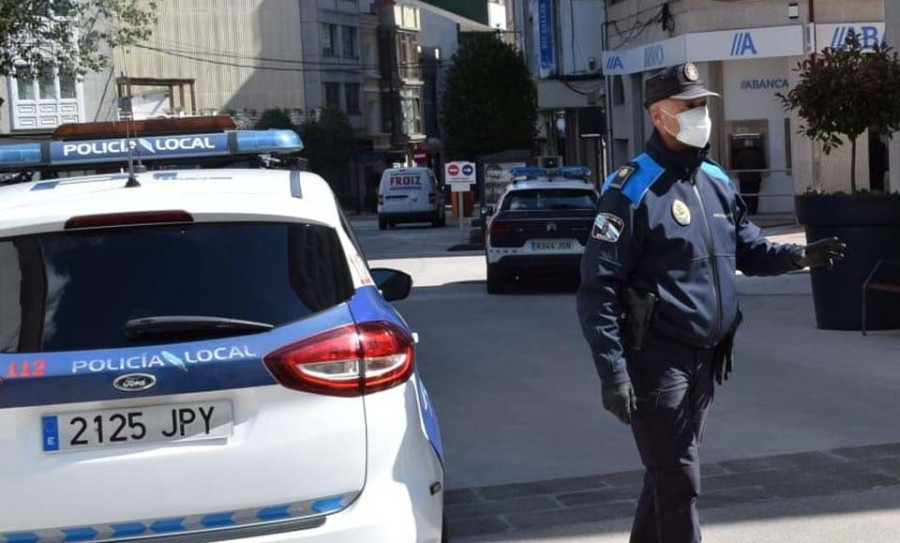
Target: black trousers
x,y
674,387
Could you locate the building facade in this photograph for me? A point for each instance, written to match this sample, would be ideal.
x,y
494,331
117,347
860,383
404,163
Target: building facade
x,y
243,56
561,41
747,51
32,105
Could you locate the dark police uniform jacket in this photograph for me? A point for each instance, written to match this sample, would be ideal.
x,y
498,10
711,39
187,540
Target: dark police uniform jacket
x,y
672,224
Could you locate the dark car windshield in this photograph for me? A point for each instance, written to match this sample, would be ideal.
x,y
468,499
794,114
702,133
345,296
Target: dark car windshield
x,y
550,200
77,290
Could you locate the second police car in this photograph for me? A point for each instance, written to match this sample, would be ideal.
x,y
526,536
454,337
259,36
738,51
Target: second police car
x,y
205,355
540,225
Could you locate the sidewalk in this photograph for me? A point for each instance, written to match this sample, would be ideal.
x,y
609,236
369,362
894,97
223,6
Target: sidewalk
x,y
871,516
768,491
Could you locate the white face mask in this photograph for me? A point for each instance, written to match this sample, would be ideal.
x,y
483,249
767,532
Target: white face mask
x,y
695,126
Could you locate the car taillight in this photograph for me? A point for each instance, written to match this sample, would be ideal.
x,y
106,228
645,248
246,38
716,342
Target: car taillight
x,y
348,361
128,219
500,227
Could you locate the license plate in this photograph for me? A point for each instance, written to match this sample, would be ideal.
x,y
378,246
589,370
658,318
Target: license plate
x,y
551,246
139,425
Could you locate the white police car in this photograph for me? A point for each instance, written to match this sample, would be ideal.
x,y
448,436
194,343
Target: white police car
x,y
540,225
204,355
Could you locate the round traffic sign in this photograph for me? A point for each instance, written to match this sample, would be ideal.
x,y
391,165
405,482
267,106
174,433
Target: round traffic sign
x,y
453,169
468,169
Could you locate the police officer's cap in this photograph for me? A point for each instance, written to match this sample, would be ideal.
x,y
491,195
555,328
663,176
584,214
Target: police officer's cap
x,y
681,82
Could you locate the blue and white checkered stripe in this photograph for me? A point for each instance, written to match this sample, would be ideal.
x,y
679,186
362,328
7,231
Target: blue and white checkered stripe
x,y
186,524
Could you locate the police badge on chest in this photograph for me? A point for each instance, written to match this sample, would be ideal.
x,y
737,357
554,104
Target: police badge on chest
x,y
681,213
607,227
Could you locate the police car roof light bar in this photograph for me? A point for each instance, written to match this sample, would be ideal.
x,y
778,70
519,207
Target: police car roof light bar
x,y
258,141
575,172
521,173
26,154
148,148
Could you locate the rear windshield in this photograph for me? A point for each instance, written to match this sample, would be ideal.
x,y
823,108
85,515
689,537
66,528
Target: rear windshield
x,y
549,200
76,290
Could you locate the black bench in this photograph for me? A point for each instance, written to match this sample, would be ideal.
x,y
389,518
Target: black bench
x,y
876,283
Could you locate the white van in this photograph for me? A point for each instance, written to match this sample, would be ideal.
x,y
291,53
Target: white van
x,y
410,195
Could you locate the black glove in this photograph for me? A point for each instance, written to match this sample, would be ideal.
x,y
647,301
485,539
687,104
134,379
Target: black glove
x,y
725,362
824,252
620,401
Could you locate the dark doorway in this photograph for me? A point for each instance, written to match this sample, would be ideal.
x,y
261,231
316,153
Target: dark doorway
x,y
878,161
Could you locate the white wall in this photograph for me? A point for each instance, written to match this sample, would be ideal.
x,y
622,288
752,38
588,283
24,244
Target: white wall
x,y
583,21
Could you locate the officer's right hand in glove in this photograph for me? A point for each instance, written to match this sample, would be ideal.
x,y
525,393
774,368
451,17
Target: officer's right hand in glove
x,y
824,252
620,401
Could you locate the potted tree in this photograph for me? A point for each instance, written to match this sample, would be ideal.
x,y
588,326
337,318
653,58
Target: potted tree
x,y
842,93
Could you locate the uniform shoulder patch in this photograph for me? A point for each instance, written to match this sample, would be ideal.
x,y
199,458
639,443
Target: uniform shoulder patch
x,y
623,174
607,227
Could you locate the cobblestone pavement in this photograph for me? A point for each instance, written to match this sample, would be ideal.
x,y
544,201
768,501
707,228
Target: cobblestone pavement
x,y
507,509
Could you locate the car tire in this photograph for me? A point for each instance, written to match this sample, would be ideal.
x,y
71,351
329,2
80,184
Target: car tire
x,y
382,224
496,281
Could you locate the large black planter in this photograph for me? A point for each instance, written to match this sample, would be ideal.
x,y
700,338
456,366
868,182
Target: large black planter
x,y
870,226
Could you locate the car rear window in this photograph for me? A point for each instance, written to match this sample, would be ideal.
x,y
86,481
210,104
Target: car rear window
x,y
549,200
76,290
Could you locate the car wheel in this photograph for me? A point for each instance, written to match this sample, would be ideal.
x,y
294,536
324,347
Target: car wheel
x,y
382,224
496,281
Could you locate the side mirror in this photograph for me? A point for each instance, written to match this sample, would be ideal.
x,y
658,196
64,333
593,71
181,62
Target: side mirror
x,y
487,210
393,284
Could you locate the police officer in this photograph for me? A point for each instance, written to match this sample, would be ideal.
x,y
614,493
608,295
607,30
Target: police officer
x,y
658,302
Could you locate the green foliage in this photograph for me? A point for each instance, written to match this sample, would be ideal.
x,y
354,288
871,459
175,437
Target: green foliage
x,y
69,35
328,141
846,91
490,103
274,118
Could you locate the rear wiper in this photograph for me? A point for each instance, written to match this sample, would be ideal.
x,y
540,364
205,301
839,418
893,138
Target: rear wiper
x,y
189,327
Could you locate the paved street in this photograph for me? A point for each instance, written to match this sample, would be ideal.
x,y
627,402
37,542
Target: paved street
x,y
519,400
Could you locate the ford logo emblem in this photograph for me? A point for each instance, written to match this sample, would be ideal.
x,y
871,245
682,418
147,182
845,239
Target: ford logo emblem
x,y
134,382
